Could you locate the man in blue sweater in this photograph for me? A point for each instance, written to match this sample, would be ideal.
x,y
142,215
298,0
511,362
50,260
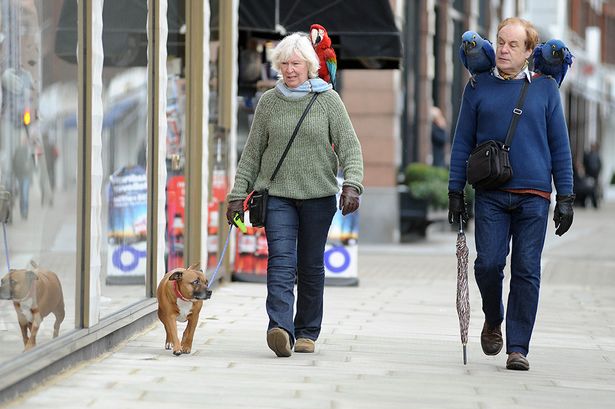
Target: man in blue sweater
x,y
517,211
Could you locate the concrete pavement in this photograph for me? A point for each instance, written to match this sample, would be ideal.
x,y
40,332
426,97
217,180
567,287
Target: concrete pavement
x,y
392,342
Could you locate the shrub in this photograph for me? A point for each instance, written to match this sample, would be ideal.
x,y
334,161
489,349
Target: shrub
x,y
428,183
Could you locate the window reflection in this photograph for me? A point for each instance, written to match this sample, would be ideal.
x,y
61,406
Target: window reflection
x,y
176,136
124,147
38,141
175,163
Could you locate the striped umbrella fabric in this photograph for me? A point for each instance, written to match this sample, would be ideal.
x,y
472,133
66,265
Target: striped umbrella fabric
x,y
463,293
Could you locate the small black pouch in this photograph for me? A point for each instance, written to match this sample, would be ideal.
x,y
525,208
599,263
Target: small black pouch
x,y
489,165
257,205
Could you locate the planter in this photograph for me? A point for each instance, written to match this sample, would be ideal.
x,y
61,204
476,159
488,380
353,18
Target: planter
x,y
415,216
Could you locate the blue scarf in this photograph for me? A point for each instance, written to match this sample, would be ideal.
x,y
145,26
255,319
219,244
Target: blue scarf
x,y
312,85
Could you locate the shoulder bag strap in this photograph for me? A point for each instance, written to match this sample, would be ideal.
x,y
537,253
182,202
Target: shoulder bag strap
x,y
516,114
292,138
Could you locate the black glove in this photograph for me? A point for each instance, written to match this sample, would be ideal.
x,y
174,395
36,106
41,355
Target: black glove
x,y
457,207
349,200
235,206
5,206
562,216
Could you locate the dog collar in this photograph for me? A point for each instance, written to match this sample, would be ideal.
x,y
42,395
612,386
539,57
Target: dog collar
x,y
179,293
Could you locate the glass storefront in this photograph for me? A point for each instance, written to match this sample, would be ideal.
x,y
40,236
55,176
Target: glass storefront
x,y
79,125
40,148
38,139
175,159
124,147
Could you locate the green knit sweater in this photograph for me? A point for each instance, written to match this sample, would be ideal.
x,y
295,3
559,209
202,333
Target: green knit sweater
x,y
310,167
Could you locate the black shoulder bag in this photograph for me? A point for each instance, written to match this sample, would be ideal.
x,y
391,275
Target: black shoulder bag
x,y
489,165
257,200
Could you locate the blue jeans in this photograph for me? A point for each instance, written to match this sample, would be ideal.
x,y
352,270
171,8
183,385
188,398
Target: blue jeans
x,y
296,235
24,193
502,217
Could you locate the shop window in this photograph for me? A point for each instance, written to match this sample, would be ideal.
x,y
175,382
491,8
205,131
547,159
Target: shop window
x,y
124,147
38,189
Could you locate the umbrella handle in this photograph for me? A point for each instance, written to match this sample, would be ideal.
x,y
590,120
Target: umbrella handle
x,y
460,224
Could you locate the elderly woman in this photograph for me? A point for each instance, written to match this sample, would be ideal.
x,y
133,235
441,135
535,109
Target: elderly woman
x,y
302,196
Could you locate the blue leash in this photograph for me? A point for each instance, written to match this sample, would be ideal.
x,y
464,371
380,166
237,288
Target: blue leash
x,y
221,258
6,247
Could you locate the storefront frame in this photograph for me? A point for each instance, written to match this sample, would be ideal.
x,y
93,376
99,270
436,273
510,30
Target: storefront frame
x,y
92,335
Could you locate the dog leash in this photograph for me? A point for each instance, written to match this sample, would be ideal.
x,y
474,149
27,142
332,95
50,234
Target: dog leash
x,y
221,259
6,247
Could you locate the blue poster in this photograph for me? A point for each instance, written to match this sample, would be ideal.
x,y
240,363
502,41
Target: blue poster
x,y
127,223
341,250
127,198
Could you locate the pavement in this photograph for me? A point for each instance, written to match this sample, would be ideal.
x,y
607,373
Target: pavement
x,y
391,342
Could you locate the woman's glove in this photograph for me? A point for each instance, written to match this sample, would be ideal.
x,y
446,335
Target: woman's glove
x,y
235,206
457,207
349,200
563,213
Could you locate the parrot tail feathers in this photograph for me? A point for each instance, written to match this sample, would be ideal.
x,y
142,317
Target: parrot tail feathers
x,y
332,67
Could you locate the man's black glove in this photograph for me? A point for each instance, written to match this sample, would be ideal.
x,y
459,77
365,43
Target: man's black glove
x,y
349,200
235,206
563,214
457,207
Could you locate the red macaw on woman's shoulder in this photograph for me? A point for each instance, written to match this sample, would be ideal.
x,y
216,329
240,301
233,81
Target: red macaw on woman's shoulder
x,y
326,54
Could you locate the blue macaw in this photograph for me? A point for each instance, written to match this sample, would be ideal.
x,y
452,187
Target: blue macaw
x,y
476,54
553,58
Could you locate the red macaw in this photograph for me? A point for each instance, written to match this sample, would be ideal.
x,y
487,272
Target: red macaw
x,y
326,54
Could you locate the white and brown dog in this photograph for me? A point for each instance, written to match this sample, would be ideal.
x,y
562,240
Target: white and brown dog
x,y
180,297
35,294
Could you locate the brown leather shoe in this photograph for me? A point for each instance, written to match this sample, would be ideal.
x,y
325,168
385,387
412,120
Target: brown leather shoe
x,y
517,362
491,339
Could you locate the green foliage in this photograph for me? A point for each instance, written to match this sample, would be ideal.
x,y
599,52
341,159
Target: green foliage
x,y
428,183
469,194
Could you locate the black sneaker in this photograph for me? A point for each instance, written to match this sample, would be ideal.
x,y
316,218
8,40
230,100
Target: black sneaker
x,y
491,339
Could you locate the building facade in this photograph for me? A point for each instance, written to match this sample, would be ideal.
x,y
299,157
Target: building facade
x,y
121,125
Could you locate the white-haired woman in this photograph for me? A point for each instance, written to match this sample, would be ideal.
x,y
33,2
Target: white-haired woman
x,y
302,198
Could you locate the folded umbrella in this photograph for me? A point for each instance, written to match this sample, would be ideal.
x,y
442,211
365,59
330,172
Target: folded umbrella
x,y
463,293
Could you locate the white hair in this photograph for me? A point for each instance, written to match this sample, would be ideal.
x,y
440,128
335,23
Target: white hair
x,y
296,43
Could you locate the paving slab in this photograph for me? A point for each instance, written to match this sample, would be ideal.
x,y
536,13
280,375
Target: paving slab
x,y
391,342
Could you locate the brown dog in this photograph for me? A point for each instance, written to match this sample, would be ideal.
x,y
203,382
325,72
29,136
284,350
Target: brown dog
x,y
35,293
180,297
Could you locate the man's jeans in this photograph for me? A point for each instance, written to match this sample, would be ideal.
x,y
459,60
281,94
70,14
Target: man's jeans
x,y
296,235
500,217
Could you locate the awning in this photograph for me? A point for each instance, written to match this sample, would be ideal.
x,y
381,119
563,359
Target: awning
x,y
363,33
124,31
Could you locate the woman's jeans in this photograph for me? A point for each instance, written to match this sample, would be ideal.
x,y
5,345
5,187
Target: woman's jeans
x,y
24,193
296,235
500,217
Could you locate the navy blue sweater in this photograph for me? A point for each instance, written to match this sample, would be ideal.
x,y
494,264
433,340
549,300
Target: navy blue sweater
x,y
540,147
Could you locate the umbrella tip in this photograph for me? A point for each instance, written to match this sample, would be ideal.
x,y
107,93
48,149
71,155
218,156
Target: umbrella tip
x,y
465,355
